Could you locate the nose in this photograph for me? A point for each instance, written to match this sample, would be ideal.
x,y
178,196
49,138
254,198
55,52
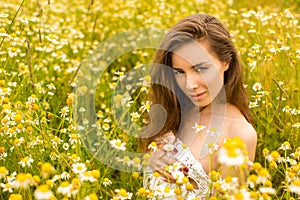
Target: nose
x,y
192,81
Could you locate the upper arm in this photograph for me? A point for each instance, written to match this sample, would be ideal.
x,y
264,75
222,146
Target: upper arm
x,y
247,133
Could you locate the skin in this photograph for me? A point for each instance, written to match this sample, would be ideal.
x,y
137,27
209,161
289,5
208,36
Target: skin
x,y
200,75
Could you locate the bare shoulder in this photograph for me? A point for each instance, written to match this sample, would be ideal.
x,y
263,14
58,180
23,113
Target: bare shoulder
x,y
240,127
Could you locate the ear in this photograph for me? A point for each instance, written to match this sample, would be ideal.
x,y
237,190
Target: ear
x,y
226,66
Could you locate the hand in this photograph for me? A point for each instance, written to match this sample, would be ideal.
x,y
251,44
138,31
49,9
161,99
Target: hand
x,y
159,160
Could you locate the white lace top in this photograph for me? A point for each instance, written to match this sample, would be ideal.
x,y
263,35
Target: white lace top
x,y
195,172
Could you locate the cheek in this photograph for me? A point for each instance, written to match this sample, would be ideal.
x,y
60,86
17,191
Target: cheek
x,y
214,81
181,82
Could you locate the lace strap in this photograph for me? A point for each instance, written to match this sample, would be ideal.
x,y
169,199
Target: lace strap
x,y
196,171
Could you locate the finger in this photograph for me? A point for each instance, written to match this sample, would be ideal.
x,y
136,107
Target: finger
x,y
157,154
184,168
167,177
168,160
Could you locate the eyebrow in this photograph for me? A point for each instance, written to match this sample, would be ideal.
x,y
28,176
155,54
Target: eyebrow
x,y
193,66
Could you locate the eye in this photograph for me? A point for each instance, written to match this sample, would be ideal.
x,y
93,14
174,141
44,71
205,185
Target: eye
x,y
177,72
201,69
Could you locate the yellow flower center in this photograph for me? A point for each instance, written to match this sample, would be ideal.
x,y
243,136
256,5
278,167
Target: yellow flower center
x,y
15,197
43,188
21,177
106,180
189,187
263,172
95,173
123,193
18,118
167,189
177,191
118,143
3,170
136,160
156,174
142,191
65,184
296,183
252,178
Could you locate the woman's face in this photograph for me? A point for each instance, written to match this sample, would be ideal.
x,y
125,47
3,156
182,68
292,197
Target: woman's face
x,y
198,72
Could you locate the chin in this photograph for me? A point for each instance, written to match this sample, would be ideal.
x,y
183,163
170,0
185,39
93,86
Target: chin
x,y
201,104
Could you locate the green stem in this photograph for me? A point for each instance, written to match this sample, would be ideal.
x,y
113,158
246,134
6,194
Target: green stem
x,y
12,21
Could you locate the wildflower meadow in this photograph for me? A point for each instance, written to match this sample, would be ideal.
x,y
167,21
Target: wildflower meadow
x,y
74,86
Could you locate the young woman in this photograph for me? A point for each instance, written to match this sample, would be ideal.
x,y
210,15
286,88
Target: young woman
x,y
197,79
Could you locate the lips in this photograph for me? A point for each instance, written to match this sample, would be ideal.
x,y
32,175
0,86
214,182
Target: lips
x,y
198,96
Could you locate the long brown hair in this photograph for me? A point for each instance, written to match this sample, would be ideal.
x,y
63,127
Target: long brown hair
x,y
164,89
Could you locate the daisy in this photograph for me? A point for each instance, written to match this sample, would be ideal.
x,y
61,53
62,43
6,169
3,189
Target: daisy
x,y
87,176
229,184
46,169
295,186
55,141
118,144
22,181
64,111
74,158
42,192
65,146
152,146
6,187
3,32
26,162
267,190
231,157
251,180
257,86
263,176
126,160
106,182
121,75
51,86
145,106
64,188
232,152
79,168
241,194
285,146
73,139
15,197
168,147
12,52
135,116
65,175
274,155
296,125
146,80
92,196
82,109
198,127
32,99
143,192
136,162
106,126
123,194
3,172
11,178
95,173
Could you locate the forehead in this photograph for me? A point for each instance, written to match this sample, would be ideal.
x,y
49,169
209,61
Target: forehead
x,y
192,53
